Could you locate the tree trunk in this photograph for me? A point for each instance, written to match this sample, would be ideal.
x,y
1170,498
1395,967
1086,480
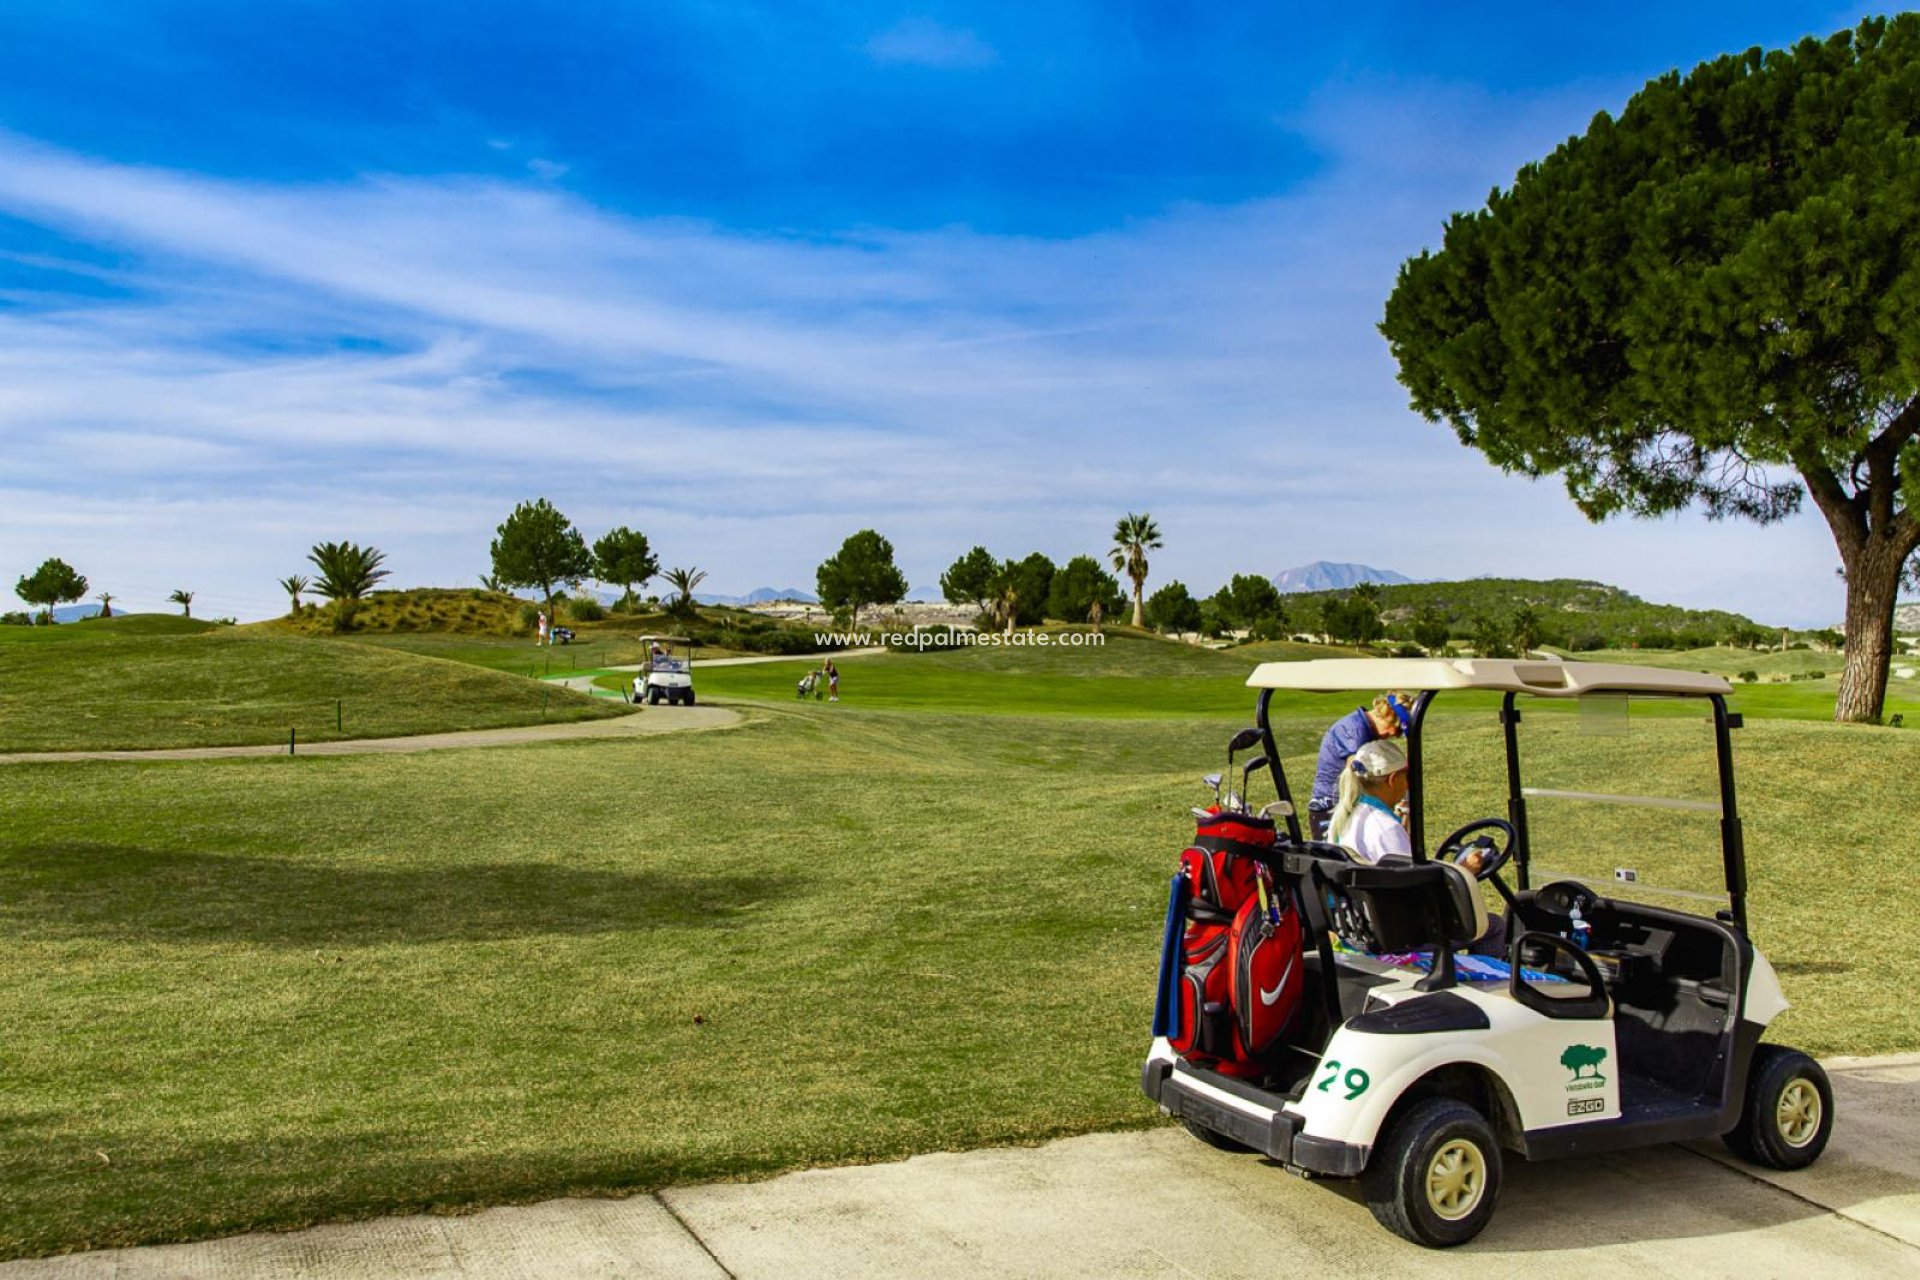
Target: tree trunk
x,y
1873,582
1139,609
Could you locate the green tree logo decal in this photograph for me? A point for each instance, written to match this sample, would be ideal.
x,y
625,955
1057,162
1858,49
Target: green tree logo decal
x,y
1581,1057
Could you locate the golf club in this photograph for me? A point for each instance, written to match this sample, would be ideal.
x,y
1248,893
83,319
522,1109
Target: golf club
x,y
1253,766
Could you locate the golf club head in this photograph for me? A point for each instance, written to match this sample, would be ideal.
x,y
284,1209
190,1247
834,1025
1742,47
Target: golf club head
x,y
1242,740
1211,780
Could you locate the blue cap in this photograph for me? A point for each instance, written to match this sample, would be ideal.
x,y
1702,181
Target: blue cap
x,y
1400,710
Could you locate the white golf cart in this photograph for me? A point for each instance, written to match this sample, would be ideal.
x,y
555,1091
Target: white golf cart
x,y
665,676
1607,1022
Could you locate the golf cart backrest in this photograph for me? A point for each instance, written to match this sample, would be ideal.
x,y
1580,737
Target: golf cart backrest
x,y
1392,905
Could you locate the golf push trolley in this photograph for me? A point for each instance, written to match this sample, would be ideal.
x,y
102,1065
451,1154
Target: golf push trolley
x,y
1312,1007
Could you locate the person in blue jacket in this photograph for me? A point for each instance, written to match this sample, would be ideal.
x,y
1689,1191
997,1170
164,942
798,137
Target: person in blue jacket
x,y
1388,717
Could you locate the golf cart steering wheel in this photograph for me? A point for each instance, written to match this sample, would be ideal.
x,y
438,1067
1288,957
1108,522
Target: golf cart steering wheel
x,y
1467,839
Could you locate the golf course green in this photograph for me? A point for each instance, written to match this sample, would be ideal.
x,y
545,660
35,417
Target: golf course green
x,y
262,993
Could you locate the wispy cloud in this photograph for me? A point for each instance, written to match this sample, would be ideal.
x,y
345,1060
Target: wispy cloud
x,y
398,359
922,42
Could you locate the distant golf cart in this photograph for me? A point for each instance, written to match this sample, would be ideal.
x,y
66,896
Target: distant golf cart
x,y
665,676
1607,1024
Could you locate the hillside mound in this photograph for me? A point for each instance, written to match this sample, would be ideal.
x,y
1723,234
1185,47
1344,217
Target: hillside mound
x,y
106,690
1572,611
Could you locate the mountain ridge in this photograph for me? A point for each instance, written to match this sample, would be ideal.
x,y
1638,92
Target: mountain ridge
x,y
1333,575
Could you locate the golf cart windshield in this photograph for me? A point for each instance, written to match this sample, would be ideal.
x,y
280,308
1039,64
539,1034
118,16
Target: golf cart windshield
x,y
1617,790
1614,775
663,658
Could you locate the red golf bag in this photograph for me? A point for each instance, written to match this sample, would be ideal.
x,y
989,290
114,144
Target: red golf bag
x,y
1231,977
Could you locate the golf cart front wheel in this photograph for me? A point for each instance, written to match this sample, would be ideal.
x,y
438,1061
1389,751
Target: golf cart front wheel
x,y
1436,1175
1788,1115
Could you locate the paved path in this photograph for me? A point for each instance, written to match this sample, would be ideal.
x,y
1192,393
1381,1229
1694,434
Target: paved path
x,y
652,720
1150,1204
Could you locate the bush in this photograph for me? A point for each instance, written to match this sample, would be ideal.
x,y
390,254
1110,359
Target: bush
x,y
345,614
1749,677
15,618
1408,651
586,609
529,617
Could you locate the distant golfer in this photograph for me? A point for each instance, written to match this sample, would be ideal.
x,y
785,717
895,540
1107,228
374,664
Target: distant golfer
x,y
540,631
1386,718
833,681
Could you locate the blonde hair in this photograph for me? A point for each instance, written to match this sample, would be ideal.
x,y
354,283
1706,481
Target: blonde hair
x,y
1367,770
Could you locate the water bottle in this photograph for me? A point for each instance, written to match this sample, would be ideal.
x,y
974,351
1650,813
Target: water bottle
x,y
1581,932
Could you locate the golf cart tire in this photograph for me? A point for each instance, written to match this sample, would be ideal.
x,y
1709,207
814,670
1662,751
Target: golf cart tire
x,y
653,697
1216,1140
1408,1158
1773,1129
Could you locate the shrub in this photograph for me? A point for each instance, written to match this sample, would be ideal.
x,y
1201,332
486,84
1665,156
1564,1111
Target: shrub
x,y
586,609
529,617
1749,677
1409,651
15,618
346,613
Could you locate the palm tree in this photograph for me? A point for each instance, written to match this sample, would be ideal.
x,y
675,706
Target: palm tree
x,y
684,581
347,572
1006,598
1133,537
106,604
185,600
293,585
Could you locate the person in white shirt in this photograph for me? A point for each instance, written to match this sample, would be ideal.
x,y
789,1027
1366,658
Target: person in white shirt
x,y
1372,785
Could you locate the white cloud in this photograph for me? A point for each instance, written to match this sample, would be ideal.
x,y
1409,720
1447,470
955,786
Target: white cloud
x,y
399,359
922,42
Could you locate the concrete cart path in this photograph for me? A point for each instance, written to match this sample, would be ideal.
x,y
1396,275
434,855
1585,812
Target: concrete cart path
x,y
1156,1203
652,720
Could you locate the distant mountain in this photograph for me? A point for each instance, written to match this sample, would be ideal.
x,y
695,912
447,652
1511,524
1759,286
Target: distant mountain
x,y
1325,575
759,595
1906,617
75,612
926,595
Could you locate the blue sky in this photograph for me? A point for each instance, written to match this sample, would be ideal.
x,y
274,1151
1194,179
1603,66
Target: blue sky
x,y
751,277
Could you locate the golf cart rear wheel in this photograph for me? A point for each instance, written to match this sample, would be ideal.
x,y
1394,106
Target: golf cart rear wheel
x,y
1788,1115
689,697
1435,1175
1212,1138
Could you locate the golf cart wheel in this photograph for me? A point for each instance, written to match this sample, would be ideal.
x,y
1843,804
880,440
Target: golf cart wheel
x,y
1788,1115
689,697
1219,1141
1435,1175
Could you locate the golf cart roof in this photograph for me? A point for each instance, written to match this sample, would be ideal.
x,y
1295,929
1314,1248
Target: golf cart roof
x,y
668,639
1502,675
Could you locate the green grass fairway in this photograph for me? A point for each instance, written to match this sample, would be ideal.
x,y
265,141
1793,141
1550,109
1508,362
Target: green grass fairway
x,y
136,683
267,992
1774,697
1127,676
594,649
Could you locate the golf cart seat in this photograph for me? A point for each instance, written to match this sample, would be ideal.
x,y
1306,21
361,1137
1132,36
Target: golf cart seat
x,y
1394,905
